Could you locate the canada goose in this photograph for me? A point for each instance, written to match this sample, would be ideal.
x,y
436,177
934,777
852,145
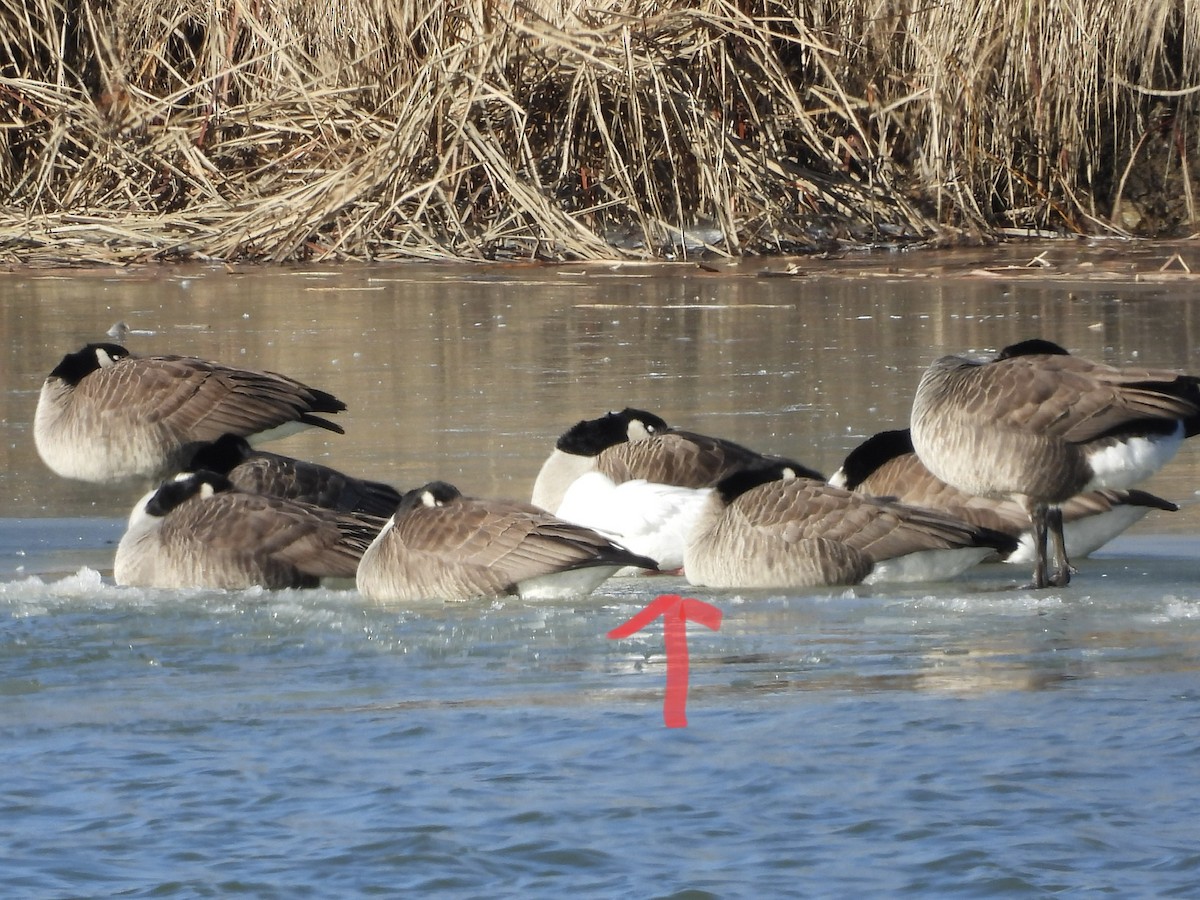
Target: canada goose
x,y
1039,426
768,528
106,415
885,465
633,444
197,530
259,472
440,545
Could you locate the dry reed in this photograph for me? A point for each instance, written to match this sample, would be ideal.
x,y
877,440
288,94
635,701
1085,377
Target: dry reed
x,y
573,129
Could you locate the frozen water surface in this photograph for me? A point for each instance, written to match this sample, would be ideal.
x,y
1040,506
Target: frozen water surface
x,y
966,739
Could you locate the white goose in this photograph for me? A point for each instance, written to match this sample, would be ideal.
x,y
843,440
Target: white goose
x,y
648,518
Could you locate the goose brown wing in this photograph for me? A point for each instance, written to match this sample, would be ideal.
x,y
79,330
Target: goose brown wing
x,y
838,515
680,458
314,541
1096,502
1125,402
1009,517
906,480
770,536
1067,397
886,530
196,400
805,509
504,543
296,479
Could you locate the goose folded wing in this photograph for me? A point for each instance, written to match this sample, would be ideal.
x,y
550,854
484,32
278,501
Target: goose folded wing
x,y
679,458
282,476
891,530
1096,502
907,479
1125,405
196,400
315,541
505,544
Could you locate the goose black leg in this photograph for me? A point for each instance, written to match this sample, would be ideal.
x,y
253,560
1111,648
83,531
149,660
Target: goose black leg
x,y
1062,565
1037,517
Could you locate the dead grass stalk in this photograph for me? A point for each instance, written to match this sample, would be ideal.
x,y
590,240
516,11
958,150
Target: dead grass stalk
x,y
582,129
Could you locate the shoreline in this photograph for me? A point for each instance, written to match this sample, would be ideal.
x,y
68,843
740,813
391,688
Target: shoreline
x,y
565,131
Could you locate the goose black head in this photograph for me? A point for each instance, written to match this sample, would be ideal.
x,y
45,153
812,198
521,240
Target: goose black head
x,y
1031,347
733,486
872,453
76,366
435,493
183,487
221,455
591,437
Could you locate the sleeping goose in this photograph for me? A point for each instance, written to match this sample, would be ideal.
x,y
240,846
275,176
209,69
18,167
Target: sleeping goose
x,y
634,444
632,477
1039,426
885,465
106,415
259,472
768,528
197,530
440,545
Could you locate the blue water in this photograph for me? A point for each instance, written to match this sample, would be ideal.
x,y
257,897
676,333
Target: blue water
x,y
972,739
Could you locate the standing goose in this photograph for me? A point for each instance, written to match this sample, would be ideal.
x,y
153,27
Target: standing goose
x,y
197,530
634,444
1039,426
440,545
885,465
106,415
768,528
259,472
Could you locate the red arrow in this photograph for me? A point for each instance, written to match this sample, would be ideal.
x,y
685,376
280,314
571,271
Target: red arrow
x,y
676,612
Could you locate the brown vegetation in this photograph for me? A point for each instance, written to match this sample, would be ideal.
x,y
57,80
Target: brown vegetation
x,y
567,129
